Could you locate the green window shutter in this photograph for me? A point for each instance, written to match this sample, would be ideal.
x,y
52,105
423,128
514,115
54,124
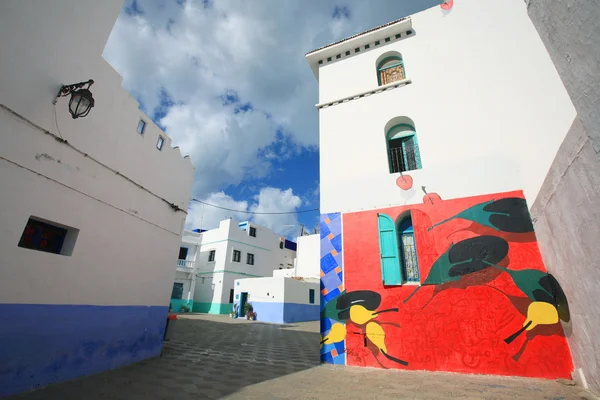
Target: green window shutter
x,y
388,248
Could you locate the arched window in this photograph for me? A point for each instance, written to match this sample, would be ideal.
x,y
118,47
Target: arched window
x,y
408,251
390,69
403,148
398,251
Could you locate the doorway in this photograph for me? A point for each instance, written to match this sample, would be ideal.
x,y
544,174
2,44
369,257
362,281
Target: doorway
x,y
243,301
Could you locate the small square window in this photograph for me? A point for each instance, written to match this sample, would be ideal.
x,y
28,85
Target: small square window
x,y
211,255
377,43
356,50
160,142
311,296
367,46
348,53
250,259
338,56
398,36
320,62
237,256
252,231
409,32
48,237
281,245
141,127
328,59
387,39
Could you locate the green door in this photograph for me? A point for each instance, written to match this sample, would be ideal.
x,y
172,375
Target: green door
x,y
388,248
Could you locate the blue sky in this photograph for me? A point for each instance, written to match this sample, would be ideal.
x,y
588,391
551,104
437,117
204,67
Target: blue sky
x,y
228,82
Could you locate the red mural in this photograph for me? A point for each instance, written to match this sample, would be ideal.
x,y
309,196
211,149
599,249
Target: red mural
x,y
486,304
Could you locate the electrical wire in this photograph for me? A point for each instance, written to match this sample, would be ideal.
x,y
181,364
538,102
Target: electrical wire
x,y
88,195
255,212
23,119
56,122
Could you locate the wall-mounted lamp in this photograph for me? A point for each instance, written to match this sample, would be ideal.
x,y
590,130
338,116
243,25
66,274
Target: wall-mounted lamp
x,y
81,101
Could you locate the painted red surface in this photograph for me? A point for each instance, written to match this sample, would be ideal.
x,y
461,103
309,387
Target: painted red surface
x,y
447,5
404,182
462,327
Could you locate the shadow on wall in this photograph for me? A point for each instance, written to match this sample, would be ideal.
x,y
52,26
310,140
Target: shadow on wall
x,y
204,357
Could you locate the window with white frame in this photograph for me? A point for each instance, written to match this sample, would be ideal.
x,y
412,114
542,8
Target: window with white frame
x,y
252,231
211,255
141,127
237,256
250,259
160,142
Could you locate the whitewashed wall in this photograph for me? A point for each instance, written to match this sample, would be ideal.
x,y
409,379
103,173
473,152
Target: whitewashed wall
x,y
489,109
224,240
308,258
297,292
128,238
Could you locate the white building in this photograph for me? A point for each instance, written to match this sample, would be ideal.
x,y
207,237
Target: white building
x,y
279,299
290,295
436,134
459,95
91,212
182,296
231,251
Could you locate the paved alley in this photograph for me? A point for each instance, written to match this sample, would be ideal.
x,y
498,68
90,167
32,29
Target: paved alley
x,y
214,357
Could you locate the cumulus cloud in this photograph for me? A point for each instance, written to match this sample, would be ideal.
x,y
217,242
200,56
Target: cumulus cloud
x,y
269,200
228,81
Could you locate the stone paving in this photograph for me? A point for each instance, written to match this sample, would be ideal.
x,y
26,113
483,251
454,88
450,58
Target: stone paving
x,y
214,357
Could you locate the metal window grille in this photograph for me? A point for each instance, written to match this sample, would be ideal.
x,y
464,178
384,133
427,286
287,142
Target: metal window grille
x,y
404,154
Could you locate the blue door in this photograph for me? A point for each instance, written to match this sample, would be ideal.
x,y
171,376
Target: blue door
x,y
388,248
243,301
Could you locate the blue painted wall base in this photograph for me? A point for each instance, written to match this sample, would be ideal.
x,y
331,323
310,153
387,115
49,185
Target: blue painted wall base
x,y
284,313
42,343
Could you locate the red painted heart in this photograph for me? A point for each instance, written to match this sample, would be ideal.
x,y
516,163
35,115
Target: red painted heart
x,y
404,182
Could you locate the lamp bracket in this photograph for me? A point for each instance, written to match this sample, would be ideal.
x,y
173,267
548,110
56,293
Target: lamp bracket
x,y
65,90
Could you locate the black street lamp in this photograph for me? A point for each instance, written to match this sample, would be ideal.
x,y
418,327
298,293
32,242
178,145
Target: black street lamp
x,y
81,101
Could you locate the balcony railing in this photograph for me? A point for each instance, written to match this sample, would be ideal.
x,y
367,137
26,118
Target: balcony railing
x,y
185,265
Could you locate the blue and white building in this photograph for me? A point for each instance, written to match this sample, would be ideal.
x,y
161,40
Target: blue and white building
x,y
91,215
290,295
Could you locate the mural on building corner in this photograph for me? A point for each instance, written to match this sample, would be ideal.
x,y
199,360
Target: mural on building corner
x,y
485,304
361,308
333,330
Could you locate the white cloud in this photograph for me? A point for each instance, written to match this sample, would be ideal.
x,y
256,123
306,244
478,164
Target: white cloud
x,y
252,51
268,200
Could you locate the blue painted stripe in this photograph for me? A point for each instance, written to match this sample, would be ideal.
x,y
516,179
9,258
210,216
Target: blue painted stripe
x,y
43,343
268,312
294,312
285,313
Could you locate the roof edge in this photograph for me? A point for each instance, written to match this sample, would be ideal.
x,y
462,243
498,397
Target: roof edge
x,y
358,34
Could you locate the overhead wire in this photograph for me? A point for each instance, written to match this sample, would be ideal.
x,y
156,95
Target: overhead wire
x,y
256,212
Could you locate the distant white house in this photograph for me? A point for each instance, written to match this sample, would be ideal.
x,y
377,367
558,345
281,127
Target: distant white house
x,y
210,261
290,295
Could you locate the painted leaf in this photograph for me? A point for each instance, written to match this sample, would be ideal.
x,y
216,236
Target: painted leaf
x,y
507,215
528,282
330,310
465,257
551,285
366,298
510,215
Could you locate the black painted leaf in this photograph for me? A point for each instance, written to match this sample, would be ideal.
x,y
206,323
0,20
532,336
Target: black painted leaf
x,y
366,298
475,254
510,215
559,299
